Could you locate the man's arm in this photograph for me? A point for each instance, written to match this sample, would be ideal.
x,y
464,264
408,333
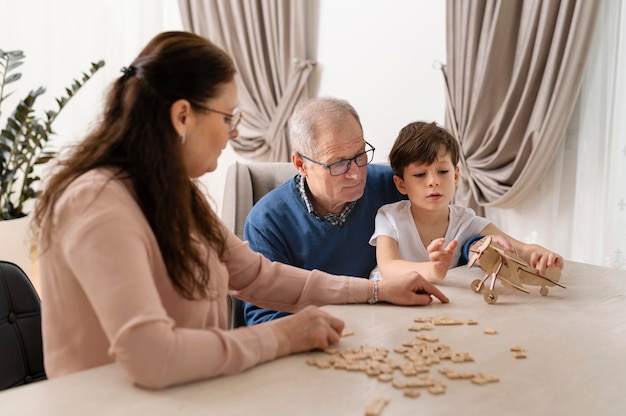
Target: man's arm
x,y
255,315
466,249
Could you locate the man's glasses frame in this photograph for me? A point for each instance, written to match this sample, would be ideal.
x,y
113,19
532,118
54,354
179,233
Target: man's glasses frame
x,y
232,120
342,166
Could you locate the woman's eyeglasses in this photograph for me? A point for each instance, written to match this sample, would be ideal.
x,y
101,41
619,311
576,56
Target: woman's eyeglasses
x,y
232,120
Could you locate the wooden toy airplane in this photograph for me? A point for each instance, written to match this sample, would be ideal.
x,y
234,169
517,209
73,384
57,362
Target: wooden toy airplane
x,y
510,269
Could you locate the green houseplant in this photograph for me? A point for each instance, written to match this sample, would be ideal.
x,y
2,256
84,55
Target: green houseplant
x,y
24,138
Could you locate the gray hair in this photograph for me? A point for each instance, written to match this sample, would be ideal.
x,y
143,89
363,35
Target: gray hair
x,y
311,116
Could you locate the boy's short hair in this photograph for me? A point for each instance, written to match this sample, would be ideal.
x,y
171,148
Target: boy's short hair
x,y
421,142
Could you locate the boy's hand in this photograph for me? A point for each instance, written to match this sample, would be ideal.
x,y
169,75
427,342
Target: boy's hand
x,y
440,257
541,259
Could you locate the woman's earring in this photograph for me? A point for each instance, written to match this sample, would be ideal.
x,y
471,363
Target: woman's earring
x,y
182,139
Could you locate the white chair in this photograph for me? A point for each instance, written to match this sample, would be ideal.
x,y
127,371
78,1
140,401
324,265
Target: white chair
x,y
246,183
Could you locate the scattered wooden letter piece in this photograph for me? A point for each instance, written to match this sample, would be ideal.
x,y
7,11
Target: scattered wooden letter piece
x,y
417,328
490,331
438,388
385,377
471,322
519,354
319,363
454,375
412,392
429,338
399,384
408,370
482,379
347,333
517,348
423,381
447,321
461,357
376,406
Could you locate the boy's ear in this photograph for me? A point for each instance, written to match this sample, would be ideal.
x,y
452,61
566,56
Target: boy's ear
x,y
399,184
457,173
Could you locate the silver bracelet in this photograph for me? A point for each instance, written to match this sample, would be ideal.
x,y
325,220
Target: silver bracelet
x,y
374,298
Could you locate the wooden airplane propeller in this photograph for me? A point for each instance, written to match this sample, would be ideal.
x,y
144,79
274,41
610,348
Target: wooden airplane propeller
x,y
512,271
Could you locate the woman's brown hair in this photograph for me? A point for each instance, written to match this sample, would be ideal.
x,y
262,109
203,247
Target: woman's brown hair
x,y
136,137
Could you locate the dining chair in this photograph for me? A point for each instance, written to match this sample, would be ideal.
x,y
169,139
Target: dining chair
x,y
246,183
21,351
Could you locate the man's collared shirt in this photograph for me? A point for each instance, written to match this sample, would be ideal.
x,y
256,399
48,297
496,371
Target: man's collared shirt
x,y
335,219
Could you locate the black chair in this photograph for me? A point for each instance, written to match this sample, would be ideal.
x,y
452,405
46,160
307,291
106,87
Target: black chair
x,y
21,350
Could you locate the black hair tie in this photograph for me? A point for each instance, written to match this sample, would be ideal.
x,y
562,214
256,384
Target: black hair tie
x,y
128,72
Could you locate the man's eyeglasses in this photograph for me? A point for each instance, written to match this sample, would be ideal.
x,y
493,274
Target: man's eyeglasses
x,y
342,166
231,119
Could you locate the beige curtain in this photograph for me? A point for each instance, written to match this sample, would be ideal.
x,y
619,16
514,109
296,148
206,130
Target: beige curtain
x,y
267,41
513,73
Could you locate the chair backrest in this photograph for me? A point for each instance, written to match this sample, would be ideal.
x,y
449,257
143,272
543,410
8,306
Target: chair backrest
x,y
21,351
246,183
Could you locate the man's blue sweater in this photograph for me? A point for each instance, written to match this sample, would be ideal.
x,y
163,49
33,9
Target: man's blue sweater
x,y
280,227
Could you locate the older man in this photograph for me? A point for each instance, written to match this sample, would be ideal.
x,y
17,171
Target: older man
x,y
323,218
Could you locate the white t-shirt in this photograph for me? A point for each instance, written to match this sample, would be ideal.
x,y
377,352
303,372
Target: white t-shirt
x,y
395,221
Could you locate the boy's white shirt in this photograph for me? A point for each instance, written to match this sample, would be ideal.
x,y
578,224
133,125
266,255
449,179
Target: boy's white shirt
x,y
395,221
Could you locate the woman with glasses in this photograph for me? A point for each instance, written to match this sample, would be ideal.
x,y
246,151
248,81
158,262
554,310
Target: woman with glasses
x,y
135,265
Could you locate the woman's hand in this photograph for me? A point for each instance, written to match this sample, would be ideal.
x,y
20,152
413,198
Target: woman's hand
x,y
310,328
409,289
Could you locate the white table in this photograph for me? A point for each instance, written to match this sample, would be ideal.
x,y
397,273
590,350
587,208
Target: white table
x,y
575,341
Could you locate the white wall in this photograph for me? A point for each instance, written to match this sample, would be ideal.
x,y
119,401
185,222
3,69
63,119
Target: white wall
x,y
386,67
383,65
60,40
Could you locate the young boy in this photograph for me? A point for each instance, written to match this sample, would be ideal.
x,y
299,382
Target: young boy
x,y
411,234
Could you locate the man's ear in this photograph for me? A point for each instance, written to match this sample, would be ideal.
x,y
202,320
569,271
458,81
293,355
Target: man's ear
x,y
298,162
180,111
399,184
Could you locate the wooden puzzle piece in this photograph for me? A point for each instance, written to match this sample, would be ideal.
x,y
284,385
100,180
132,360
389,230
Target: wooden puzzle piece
x,y
510,269
376,406
414,369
